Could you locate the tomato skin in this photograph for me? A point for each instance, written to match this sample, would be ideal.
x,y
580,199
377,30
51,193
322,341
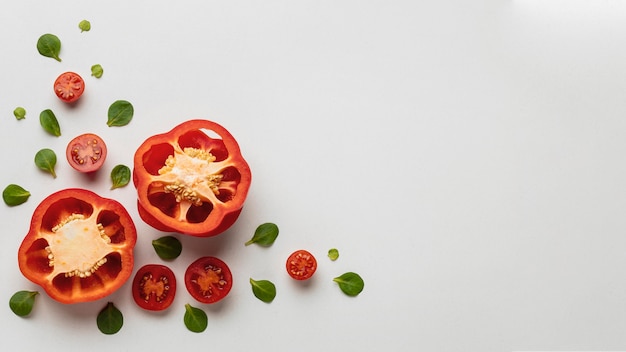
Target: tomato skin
x,y
86,153
69,86
301,265
154,287
168,201
208,279
100,228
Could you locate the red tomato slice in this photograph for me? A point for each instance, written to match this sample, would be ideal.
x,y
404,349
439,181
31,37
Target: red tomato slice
x,y
301,265
154,287
208,279
69,86
86,153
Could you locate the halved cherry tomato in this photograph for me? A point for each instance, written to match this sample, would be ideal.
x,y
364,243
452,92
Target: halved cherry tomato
x,y
154,287
191,180
79,246
69,86
208,279
301,265
86,153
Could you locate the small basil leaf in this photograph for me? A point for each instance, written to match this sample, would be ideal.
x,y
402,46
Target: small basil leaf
x,y
195,319
120,113
49,45
84,26
333,254
264,235
49,122
350,283
15,195
22,302
263,289
46,159
167,247
97,71
120,176
20,113
110,319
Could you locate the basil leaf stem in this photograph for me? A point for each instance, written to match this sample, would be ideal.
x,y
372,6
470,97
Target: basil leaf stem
x,y
120,113
46,159
110,319
195,319
49,45
22,302
120,176
264,290
350,283
49,122
167,247
264,235
15,195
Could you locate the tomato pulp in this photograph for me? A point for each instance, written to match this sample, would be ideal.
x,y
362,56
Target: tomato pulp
x,y
154,287
79,246
191,180
86,153
208,279
301,265
69,86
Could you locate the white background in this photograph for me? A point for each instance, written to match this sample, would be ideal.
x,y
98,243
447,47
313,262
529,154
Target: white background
x,y
465,157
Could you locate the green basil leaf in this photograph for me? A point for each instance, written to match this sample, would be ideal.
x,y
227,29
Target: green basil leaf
x,y
120,176
84,26
46,159
110,319
264,290
333,254
167,247
264,235
97,71
49,122
22,302
195,319
350,283
49,45
120,113
20,113
15,195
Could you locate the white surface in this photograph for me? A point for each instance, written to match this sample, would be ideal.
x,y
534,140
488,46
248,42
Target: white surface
x,y
465,157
